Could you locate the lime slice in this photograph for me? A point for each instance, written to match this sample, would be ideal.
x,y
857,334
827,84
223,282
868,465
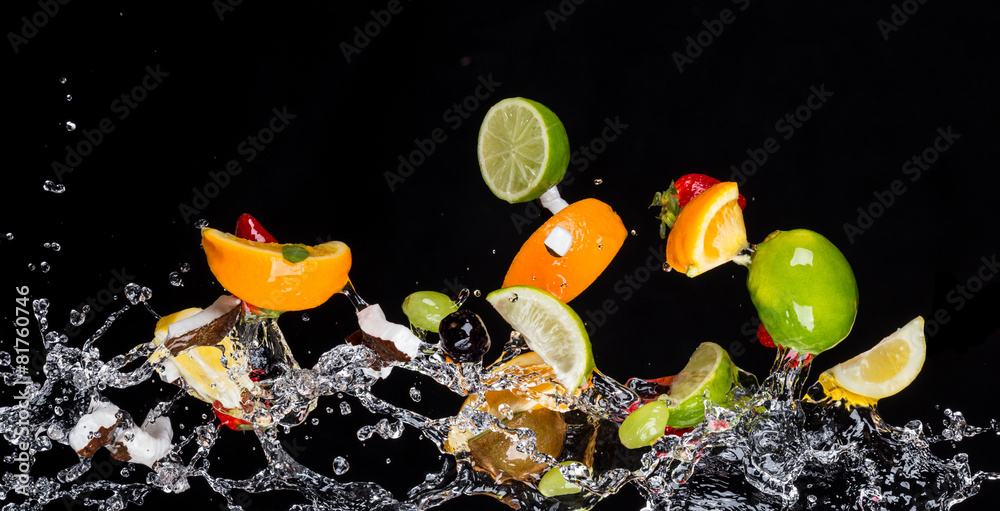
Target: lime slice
x,y
523,149
550,328
881,371
709,369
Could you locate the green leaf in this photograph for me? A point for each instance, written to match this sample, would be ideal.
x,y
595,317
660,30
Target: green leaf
x,y
294,253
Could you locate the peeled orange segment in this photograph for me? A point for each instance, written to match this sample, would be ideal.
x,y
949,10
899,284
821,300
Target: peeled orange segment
x,y
881,371
708,232
597,235
260,274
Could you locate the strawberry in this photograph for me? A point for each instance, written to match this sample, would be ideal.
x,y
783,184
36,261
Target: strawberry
x,y
248,228
764,337
679,194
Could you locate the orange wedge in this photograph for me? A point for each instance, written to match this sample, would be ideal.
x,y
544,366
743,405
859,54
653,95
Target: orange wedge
x,y
597,234
708,232
260,274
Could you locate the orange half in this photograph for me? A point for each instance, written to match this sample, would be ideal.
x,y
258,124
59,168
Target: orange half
x,y
598,234
259,274
708,232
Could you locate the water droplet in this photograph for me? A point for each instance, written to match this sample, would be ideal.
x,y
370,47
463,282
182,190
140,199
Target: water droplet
x,y
126,472
185,267
44,266
62,79
345,408
388,461
51,186
598,181
494,251
10,236
632,232
75,318
69,97
176,280
315,421
31,267
477,293
415,394
667,268
340,466
513,298
329,409
201,223
599,246
70,125
305,317
136,293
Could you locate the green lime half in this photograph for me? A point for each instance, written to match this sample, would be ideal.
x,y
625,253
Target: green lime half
x,y
523,149
550,328
709,369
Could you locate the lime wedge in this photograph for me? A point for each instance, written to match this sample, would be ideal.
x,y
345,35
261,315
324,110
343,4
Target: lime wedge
x,y
523,149
550,328
709,369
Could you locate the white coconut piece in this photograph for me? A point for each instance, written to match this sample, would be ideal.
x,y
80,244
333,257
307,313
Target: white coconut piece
x,y
372,321
100,415
552,201
559,240
149,443
170,373
224,304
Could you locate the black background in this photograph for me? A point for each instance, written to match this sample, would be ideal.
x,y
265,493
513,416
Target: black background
x,y
325,175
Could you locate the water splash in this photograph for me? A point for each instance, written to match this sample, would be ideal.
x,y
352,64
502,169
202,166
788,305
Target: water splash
x,y
770,448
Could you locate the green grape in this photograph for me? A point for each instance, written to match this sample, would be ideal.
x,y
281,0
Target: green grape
x,y
553,484
643,426
426,309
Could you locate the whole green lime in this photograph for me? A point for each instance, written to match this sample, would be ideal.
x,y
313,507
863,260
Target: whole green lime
x,y
804,290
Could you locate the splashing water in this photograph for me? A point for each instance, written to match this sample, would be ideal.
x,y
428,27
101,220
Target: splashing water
x,y
771,448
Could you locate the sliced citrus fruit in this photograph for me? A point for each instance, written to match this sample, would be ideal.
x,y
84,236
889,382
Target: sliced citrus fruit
x,y
550,328
708,232
709,370
523,149
881,371
597,235
284,277
493,451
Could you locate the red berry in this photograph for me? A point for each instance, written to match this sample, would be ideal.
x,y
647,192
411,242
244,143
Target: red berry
x,y
248,228
764,337
690,186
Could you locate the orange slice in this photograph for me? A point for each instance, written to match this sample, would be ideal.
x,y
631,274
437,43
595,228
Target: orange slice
x,y
259,274
708,232
597,235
